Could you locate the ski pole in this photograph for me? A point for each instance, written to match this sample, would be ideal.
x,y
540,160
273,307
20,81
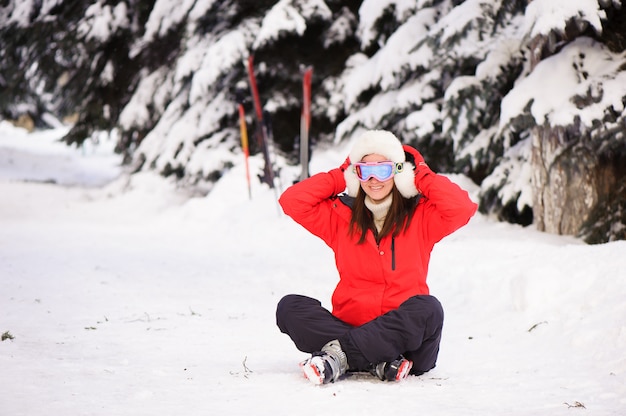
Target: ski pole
x,y
305,123
260,129
244,145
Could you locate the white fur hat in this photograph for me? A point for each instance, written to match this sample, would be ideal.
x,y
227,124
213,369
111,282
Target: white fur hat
x,y
383,143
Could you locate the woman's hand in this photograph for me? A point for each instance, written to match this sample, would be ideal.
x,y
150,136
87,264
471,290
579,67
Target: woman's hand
x,y
345,164
421,168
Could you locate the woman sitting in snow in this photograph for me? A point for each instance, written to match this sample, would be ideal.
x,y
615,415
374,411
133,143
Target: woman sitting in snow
x,y
382,232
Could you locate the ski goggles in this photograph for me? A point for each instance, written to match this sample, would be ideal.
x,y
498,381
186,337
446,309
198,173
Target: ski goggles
x,y
379,170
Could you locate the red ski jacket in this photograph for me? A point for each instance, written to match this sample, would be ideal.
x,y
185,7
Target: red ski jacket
x,y
377,278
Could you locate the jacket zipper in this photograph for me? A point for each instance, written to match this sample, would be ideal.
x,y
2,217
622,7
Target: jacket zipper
x,y
393,253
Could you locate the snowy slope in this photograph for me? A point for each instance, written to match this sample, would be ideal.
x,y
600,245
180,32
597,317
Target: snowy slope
x,y
133,299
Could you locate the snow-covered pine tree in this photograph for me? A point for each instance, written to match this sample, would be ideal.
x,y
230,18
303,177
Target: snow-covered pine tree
x,y
577,146
198,119
525,97
63,59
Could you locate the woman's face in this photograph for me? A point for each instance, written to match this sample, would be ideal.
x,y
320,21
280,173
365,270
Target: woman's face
x,y
375,189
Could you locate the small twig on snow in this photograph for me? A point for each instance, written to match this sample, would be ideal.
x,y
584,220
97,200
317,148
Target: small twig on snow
x,y
536,325
245,367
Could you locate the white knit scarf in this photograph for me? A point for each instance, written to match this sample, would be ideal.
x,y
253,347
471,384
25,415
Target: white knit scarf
x,y
379,210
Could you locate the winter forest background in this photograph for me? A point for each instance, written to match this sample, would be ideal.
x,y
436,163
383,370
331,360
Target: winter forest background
x,y
525,97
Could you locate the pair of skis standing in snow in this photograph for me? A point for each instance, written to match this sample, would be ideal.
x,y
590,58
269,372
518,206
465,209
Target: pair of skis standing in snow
x,y
264,133
382,211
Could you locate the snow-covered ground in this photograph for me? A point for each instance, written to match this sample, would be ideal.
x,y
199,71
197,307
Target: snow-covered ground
x,y
124,296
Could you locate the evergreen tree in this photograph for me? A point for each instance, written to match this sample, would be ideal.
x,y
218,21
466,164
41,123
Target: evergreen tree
x,y
472,84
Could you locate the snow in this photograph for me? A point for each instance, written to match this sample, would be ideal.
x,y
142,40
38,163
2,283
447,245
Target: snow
x,y
289,16
544,16
461,17
513,179
153,91
383,67
224,53
423,121
127,297
101,22
340,28
20,12
40,157
583,68
165,15
372,10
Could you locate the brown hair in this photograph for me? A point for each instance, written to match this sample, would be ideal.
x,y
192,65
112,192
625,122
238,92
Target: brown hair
x,y
397,220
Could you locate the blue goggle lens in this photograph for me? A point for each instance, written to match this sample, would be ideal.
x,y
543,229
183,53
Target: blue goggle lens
x,y
379,170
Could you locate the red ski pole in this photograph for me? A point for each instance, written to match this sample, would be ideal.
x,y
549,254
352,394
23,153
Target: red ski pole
x,y
261,133
305,123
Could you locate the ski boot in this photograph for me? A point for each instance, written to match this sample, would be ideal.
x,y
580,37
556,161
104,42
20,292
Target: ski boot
x,y
327,365
395,370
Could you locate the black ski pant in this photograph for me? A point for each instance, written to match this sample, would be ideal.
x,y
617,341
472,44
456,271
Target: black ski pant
x,y
413,330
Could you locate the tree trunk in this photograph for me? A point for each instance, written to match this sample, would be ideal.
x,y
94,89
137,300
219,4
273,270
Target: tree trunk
x,y
566,175
565,181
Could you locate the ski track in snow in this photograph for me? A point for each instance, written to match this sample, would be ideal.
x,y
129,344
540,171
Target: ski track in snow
x,y
127,297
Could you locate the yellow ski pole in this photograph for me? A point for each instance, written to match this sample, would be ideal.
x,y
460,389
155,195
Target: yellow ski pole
x,y
244,145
